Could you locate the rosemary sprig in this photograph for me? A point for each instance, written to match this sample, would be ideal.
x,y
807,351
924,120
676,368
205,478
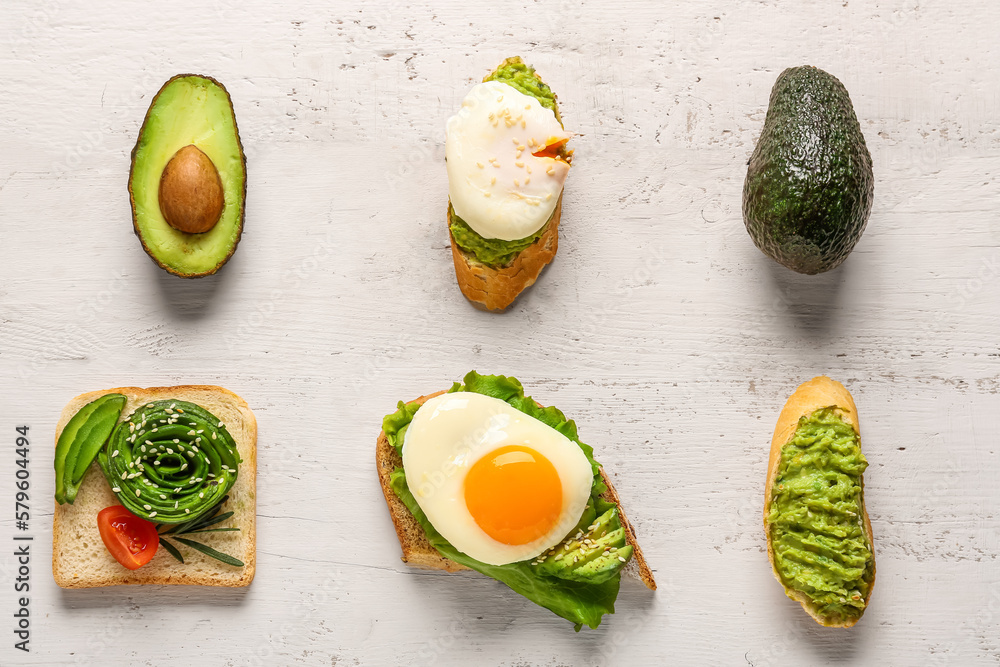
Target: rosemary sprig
x,y
199,525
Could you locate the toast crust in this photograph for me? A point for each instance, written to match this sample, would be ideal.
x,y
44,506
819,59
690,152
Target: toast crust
x,y
95,494
820,392
492,288
418,551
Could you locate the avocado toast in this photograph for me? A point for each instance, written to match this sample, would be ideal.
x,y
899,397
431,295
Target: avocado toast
x,y
578,577
493,264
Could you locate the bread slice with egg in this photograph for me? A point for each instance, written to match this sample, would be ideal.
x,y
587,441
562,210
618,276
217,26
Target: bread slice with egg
x,y
820,392
495,288
79,558
418,551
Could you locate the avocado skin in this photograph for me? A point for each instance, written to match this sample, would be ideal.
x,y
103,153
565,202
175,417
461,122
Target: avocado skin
x,y
151,251
809,186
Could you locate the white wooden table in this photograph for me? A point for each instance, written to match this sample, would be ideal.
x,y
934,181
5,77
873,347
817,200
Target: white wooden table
x,y
660,328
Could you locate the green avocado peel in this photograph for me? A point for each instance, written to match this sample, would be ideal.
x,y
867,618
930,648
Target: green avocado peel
x,y
576,594
81,440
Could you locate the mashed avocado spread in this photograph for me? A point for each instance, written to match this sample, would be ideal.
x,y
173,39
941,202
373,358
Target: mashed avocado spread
x,y
497,252
817,529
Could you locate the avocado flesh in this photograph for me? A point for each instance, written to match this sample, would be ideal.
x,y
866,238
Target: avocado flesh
x,y
189,109
809,186
594,553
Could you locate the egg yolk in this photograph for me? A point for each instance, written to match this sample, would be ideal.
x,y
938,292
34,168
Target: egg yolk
x,y
514,494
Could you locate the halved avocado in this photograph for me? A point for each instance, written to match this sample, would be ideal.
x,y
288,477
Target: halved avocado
x,y
202,191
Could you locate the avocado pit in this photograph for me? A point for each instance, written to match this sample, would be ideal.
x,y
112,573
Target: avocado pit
x,y
190,197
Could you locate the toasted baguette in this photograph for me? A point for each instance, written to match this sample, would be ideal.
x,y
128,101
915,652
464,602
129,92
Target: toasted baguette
x,y
417,550
496,288
79,558
490,288
820,392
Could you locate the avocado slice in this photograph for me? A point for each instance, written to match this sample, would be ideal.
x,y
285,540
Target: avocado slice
x,y
187,183
809,186
594,553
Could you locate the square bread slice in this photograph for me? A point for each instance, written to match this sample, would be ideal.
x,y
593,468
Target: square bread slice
x,y
418,551
79,558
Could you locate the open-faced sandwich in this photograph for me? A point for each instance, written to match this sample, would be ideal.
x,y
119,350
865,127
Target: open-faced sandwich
x,y
507,162
482,477
176,468
819,539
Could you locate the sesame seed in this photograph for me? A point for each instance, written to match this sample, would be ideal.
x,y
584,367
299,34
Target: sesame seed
x,y
176,440
116,489
524,124
201,495
191,432
213,436
187,511
172,405
493,181
516,142
201,430
176,502
621,558
516,184
147,507
138,492
221,424
480,165
124,474
152,514
527,106
487,194
519,164
179,410
527,180
500,99
114,453
162,497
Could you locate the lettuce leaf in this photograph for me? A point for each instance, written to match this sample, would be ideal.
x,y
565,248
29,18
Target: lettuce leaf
x,y
579,602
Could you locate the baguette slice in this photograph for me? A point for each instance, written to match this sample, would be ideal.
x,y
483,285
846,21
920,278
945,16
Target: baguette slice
x,y
418,551
820,392
79,558
490,288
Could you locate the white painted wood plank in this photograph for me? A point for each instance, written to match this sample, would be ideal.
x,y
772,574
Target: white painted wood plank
x,y
660,328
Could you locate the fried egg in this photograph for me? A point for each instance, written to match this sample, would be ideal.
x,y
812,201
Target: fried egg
x,y
496,182
499,485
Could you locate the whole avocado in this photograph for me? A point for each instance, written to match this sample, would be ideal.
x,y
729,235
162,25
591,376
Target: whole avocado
x,y
809,186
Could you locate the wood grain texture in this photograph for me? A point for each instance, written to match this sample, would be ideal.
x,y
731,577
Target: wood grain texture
x,y
659,327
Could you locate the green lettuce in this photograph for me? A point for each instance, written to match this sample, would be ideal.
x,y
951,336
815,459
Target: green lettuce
x,y
582,603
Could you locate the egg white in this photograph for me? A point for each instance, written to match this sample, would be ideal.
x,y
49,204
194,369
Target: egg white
x,y
446,437
495,183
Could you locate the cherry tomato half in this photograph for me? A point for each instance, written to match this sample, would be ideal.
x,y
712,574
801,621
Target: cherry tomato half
x,y
131,540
